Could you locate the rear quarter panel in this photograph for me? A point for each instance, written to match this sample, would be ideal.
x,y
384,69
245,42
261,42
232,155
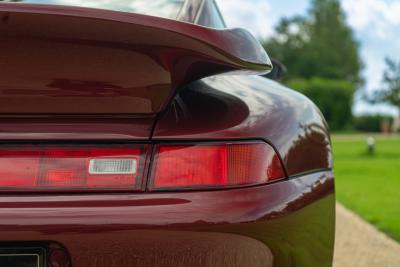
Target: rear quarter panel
x,y
251,107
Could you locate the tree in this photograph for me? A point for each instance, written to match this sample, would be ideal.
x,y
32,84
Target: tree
x,y
334,49
322,57
390,94
319,44
290,44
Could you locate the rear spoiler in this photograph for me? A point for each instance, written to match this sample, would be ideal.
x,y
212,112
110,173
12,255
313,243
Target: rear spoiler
x,y
78,54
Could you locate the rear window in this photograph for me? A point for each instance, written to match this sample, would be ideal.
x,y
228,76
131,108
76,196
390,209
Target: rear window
x,y
158,8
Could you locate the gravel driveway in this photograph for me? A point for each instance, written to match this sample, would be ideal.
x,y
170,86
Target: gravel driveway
x,y
358,244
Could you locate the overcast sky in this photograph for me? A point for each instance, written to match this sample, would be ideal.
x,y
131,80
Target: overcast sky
x,y
376,24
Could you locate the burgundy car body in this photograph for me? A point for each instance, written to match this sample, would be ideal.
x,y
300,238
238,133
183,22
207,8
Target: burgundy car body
x,y
73,76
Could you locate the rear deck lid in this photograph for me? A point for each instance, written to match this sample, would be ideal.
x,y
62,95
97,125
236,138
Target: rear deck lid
x,y
73,60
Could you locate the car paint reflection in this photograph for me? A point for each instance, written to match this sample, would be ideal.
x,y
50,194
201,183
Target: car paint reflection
x,y
256,107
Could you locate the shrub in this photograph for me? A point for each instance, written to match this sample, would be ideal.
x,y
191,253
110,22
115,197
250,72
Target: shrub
x,y
371,123
333,97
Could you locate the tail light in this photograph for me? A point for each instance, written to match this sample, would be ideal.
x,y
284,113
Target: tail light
x,y
174,167
70,168
214,165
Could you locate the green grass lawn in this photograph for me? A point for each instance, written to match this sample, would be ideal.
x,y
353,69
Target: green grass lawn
x,y
370,184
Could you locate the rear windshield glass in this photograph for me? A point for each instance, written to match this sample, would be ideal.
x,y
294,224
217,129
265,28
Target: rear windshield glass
x,y
158,8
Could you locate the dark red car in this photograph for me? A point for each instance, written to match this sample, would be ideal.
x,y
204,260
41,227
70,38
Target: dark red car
x,y
137,133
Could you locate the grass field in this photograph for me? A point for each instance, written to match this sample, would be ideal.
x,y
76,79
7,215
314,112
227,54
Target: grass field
x,y
370,184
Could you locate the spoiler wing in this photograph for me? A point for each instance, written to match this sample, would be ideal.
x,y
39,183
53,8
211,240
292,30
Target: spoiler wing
x,y
109,62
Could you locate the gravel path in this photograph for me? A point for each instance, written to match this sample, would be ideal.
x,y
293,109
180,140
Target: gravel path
x,y
359,244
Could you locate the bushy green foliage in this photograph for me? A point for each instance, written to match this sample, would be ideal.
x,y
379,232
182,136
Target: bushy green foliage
x,y
322,58
370,123
319,44
333,97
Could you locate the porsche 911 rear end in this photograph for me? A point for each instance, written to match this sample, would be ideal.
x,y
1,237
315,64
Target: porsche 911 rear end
x,y
123,142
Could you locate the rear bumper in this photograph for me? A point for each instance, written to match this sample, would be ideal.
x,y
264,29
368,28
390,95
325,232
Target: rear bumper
x,y
289,223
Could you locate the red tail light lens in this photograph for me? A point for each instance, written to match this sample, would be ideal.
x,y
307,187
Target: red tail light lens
x,y
67,168
52,168
214,165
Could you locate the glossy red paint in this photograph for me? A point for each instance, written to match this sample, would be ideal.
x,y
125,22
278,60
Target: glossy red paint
x,y
191,228
96,128
91,99
103,62
251,107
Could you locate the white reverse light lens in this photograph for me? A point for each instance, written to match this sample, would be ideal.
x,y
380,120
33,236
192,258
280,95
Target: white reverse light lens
x,y
112,166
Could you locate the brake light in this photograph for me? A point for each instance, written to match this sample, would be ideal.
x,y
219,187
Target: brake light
x,y
51,168
214,165
65,168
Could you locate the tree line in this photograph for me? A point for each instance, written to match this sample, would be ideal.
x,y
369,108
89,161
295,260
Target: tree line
x,y
324,63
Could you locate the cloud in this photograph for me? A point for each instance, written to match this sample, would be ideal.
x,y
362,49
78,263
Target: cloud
x,y
254,15
378,17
